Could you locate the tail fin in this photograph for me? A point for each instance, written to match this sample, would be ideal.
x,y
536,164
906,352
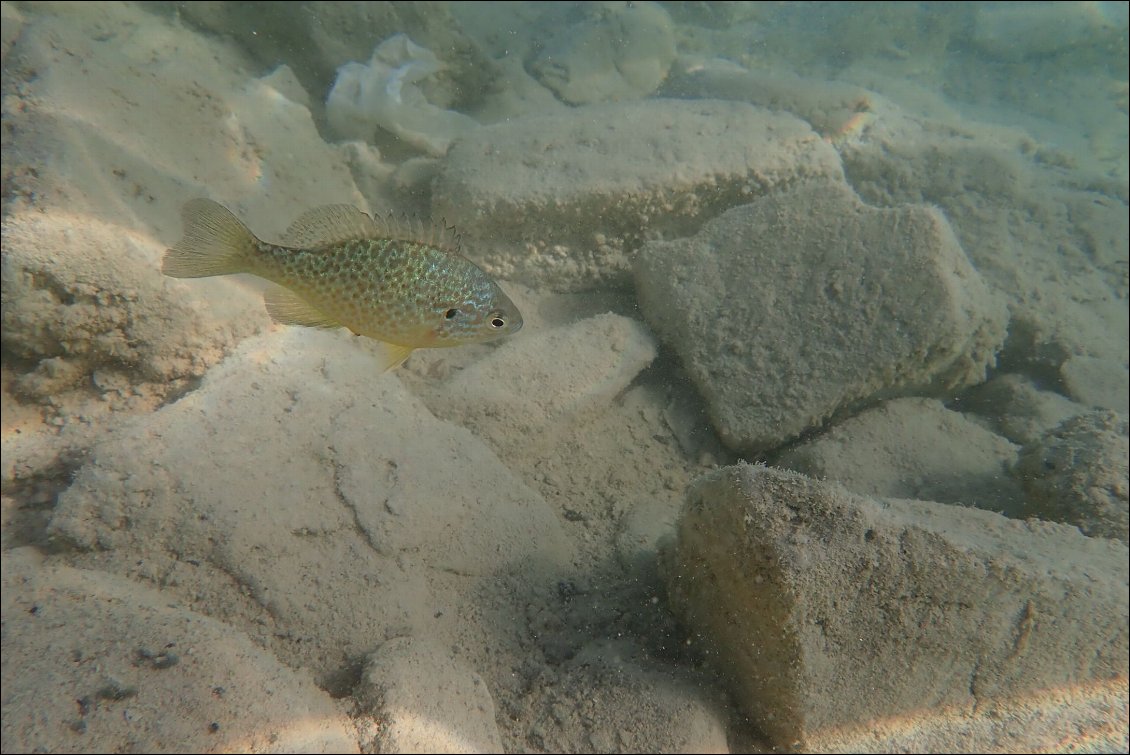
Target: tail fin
x,y
214,243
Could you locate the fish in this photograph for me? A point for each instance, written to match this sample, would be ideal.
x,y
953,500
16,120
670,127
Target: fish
x,y
402,283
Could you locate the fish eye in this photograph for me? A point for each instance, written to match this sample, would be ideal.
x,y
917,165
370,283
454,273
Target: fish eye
x,y
497,322
451,313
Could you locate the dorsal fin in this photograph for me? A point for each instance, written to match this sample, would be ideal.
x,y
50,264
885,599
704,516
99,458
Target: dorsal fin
x,y
329,224
413,228
334,223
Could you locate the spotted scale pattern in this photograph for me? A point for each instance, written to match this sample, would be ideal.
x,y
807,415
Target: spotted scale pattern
x,y
394,290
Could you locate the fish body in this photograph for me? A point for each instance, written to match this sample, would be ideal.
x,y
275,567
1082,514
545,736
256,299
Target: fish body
x,y
402,284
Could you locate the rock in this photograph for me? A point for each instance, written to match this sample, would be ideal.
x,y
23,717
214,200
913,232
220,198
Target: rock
x,y
619,52
222,134
826,105
11,28
297,490
1016,32
516,94
283,81
492,396
611,698
809,599
98,663
914,448
316,38
808,302
1059,263
563,200
384,94
426,700
1077,474
1098,383
642,528
1017,408
85,309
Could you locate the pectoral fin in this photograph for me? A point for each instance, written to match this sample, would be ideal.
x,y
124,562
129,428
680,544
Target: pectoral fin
x,y
289,308
390,355
285,306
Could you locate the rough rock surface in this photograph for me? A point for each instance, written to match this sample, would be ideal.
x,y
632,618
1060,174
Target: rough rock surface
x,y
1055,248
808,302
1018,408
95,663
426,700
89,310
1099,383
625,703
78,141
93,189
296,458
1077,474
827,610
563,200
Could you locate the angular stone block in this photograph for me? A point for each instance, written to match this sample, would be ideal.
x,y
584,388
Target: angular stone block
x,y
827,611
614,52
564,200
808,302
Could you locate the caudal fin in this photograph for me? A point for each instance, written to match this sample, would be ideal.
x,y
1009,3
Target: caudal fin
x,y
214,243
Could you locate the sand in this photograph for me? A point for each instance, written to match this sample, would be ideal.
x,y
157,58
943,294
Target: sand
x,y
882,247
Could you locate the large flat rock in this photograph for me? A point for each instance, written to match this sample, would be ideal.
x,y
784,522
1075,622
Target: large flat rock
x,y
301,494
827,611
564,200
808,302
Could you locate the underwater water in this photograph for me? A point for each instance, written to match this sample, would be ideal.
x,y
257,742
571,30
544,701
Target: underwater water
x,y
565,377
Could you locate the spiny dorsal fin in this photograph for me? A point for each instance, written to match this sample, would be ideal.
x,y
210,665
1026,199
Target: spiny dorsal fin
x,y
413,228
329,224
334,223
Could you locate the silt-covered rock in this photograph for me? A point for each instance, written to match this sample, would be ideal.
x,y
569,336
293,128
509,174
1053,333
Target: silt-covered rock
x,y
808,302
